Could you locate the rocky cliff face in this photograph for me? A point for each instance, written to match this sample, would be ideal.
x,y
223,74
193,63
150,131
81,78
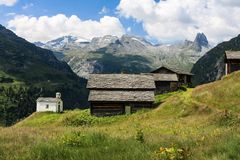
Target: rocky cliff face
x,y
130,54
200,42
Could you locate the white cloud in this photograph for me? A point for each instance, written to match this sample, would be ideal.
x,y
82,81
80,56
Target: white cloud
x,y
129,29
104,10
28,5
179,19
8,2
47,28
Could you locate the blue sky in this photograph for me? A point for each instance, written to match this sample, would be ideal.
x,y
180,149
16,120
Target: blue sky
x,y
84,9
157,20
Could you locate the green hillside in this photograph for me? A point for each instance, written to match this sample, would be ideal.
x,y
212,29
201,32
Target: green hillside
x,y
199,124
27,72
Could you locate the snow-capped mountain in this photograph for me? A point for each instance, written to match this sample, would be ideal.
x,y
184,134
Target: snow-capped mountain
x,y
62,43
100,42
131,54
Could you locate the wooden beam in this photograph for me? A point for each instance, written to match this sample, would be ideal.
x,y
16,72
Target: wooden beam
x,y
226,69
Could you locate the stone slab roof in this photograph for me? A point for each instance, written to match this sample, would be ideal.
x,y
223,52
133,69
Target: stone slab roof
x,y
120,81
164,77
233,54
121,96
175,70
47,99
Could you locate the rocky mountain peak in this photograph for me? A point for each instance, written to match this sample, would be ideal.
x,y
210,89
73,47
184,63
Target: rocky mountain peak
x,y
103,41
62,40
135,39
107,38
201,41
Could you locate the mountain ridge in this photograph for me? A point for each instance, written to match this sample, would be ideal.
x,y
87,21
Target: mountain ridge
x,y
101,53
199,41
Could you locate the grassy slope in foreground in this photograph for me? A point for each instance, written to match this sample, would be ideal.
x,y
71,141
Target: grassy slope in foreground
x,y
203,123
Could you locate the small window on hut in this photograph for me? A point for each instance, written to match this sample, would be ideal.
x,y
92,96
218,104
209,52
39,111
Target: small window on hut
x,y
47,106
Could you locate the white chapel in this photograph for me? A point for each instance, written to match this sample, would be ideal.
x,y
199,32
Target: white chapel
x,y
50,104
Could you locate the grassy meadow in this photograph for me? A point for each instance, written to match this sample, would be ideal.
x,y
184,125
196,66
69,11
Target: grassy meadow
x,y
197,124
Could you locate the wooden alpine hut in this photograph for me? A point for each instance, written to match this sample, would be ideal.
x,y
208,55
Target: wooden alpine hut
x,y
114,94
232,61
169,79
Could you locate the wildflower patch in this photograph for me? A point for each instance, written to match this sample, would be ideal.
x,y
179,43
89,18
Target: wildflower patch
x,y
171,153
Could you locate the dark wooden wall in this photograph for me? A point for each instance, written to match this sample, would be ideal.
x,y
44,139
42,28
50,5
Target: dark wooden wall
x,y
107,109
117,108
232,67
164,87
185,79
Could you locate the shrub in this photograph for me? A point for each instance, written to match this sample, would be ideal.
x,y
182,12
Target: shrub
x,y
83,118
139,136
183,88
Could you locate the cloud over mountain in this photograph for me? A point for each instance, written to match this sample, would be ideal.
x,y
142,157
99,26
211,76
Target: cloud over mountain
x,y
181,19
46,28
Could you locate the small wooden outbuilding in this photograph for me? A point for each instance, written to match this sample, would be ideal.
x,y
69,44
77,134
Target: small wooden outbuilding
x,y
114,94
169,79
232,61
164,82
